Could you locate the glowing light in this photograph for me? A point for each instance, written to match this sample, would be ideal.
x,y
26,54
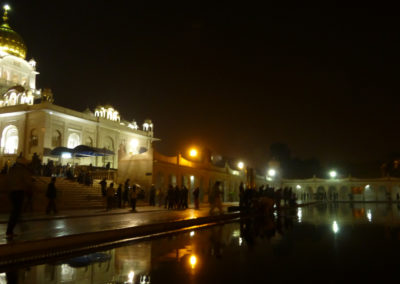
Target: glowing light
x,y
240,241
335,227
298,186
191,178
193,261
240,165
6,7
367,187
192,233
332,174
271,172
193,153
66,155
369,215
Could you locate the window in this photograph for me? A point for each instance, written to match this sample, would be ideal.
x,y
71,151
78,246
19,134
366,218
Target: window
x,y
34,138
56,139
73,140
89,141
9,140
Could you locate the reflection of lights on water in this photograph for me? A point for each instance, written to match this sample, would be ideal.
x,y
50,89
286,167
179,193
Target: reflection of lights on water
x,y
193,261
192,233
369,215
240,241
3,278
236,233
335,227
299,214
144,279
130,276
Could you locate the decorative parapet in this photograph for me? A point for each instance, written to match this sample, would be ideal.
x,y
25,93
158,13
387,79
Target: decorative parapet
x,y
108,113
17,96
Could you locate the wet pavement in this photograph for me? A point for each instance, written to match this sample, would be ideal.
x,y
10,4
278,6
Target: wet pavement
x,y
325,243
41,226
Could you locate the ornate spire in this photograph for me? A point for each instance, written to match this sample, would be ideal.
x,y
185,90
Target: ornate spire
x,y
6,8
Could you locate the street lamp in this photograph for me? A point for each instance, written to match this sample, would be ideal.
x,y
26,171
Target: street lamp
x,y
240,165
333,174
193,153
271,172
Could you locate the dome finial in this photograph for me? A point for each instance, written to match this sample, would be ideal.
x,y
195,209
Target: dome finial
x,y
6,8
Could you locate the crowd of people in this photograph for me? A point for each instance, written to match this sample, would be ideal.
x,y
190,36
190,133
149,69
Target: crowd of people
x,y
250,196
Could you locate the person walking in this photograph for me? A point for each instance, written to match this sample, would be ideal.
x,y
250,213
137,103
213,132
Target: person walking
x,y
119,196
185,196
18,180
51,194
103,185
152,201
170,197
133,198
196,193
110,196
216,198
241,194
125,196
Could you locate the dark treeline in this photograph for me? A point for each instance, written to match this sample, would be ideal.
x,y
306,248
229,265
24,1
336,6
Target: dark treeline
x,y
293,167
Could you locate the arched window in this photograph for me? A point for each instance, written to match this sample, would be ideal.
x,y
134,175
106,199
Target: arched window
x,y
73,140
109,143
34,137
89,141
9,140
56,139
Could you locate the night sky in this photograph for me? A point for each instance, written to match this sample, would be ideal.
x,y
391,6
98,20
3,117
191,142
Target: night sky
x,y
321,78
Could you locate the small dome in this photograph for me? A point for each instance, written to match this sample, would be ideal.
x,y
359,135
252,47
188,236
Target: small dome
x,y
11,42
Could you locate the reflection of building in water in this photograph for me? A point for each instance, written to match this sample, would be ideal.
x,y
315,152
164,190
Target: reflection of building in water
x,y
95,272
116,266
133,258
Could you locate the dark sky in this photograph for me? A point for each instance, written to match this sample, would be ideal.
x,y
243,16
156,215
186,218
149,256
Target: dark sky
x,y
322,78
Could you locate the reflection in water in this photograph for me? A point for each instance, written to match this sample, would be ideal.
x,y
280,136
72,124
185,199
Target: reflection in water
x,y
335,227
369,215
234,252
193,261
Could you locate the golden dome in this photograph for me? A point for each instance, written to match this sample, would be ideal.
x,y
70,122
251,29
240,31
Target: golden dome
x,y
11,42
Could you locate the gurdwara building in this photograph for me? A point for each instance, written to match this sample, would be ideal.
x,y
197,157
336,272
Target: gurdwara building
x,y
30,121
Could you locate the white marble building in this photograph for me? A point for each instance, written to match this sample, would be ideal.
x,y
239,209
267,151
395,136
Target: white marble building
x,y
31,123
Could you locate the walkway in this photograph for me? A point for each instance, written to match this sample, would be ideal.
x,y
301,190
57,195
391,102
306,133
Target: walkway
x,y
40,226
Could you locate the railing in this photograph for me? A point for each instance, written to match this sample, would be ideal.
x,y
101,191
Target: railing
x,y
104,173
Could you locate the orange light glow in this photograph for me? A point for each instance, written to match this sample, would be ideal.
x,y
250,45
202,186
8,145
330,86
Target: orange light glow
x,y
193,261
193,152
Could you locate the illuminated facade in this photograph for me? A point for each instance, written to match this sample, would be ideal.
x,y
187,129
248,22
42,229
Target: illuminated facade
x,y
30,122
